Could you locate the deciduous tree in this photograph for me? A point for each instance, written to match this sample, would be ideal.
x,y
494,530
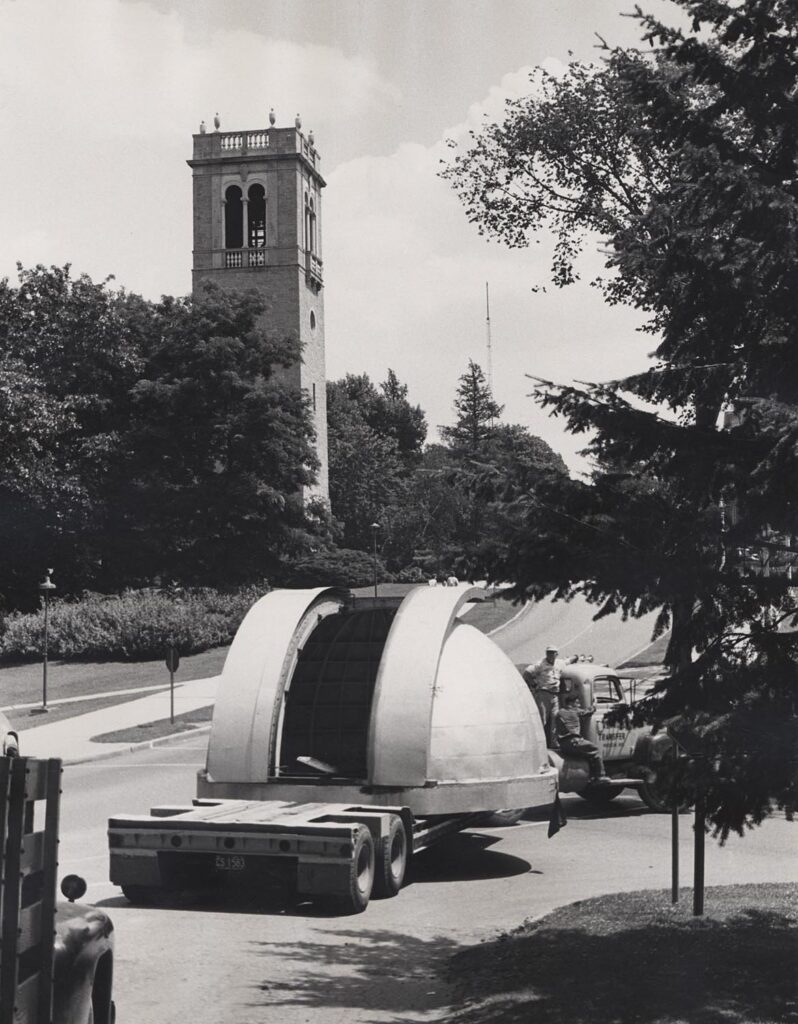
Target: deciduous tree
x,y
220,446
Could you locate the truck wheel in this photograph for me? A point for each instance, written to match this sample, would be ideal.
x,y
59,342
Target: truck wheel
x,y
599,797
500,819
361,874
391,859
656,796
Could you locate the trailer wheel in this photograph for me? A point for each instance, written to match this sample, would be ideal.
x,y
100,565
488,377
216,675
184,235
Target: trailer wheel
x,y
361,875
600,797
503,818
143,895
391,859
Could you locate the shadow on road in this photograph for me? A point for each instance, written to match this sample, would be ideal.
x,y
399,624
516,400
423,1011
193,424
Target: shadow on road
x,y
228,900
460,858
577,808
381,971
465,857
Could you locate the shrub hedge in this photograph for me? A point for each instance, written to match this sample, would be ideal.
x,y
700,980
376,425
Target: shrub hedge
x,y
341,567
136,625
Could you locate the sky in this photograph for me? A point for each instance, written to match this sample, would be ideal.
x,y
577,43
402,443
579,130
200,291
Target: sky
x,y
99,100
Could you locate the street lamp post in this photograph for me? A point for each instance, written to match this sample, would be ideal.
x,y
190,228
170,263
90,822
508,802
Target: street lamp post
x,y
374,528
46,587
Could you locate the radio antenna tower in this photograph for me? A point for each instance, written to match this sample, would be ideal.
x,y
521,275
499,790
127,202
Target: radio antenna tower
x,y
490,346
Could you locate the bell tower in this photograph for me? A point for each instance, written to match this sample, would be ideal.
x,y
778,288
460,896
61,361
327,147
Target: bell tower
x,y
257,224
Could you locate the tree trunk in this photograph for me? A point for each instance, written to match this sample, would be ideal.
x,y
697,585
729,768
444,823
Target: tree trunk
x,y
680,647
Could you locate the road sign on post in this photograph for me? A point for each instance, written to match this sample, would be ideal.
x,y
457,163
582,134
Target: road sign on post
x,y
172,663
172,659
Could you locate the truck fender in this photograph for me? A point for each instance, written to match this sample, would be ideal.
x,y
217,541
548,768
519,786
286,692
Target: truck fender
x,y
651,748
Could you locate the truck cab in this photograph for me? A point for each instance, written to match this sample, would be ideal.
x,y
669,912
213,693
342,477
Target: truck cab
x,y
633,756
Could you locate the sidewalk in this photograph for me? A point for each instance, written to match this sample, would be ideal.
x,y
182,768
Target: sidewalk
x,y
71,739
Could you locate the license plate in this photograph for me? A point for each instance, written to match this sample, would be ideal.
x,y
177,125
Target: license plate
x,y
229,863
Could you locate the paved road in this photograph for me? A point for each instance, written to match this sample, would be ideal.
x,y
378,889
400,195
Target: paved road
x,y
217,961
570,625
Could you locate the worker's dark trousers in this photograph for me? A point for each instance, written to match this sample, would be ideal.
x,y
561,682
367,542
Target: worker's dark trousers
x,y
583,748
548,703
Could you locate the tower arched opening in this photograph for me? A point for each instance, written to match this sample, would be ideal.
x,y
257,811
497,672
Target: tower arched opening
x,y
233,224
257,217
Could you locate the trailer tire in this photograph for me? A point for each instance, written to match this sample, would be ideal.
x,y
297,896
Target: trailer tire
x,y
361,874
391,859
503,818
143,895
600,797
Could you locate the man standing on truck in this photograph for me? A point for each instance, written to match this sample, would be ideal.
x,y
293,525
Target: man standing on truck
x,y
543,679
567,724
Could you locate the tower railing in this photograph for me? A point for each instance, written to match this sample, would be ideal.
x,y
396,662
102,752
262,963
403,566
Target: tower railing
x,y
313,267
238,259
278,140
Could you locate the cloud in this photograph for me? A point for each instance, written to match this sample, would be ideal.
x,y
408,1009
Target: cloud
x,y
99,99
405,277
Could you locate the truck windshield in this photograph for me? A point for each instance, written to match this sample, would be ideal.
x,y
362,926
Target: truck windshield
x,y
607,690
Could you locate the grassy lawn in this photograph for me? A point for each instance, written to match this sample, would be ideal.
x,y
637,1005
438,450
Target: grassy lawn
x,y
186,722
492,613
22,684
98,681
633,957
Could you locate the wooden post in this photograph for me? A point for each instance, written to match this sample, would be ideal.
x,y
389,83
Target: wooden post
x,y
675,853
698,859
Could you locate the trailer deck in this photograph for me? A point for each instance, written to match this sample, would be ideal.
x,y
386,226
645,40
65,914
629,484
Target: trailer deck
x,y
319,849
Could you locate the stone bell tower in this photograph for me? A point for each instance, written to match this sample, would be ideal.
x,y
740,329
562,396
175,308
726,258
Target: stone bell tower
x,y
257,224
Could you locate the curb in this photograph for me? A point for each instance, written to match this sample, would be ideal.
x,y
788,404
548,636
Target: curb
x,y
104,755
509,622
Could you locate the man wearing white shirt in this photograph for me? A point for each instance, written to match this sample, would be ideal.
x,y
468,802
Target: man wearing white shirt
x,y
543,679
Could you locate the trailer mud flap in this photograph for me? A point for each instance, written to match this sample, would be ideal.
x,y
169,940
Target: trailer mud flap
x,y
557,819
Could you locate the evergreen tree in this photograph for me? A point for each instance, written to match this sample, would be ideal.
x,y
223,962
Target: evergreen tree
x,y
476,412
683,162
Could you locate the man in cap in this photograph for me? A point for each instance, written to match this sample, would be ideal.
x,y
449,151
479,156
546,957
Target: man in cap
x,y
568,729
543,679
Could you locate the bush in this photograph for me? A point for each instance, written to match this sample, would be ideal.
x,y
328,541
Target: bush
x,y
136,625
343,567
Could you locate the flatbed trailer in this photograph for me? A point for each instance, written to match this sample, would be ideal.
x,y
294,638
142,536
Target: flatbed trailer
x,y
348,734
336,852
